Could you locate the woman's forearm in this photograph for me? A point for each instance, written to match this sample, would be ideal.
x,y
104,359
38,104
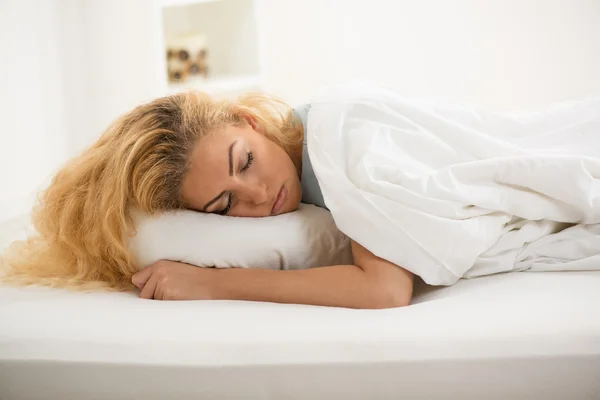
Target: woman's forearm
x,y
341,285
371,283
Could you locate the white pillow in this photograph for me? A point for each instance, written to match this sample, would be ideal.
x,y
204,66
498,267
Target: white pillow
x,y
305,238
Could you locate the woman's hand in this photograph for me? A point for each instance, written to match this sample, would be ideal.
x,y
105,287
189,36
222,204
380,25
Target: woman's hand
x,y
169,280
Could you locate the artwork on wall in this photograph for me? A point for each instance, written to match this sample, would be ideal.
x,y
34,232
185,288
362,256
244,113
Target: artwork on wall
x,y
187,57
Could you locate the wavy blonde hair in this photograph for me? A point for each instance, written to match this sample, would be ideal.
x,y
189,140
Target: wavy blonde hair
x,y
83,219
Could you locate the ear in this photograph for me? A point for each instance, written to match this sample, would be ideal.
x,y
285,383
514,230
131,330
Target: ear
x,y
251,121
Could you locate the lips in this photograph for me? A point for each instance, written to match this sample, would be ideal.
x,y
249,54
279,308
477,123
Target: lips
x,y
279,201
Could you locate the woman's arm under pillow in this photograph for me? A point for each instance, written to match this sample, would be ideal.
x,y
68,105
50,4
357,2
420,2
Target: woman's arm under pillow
x,y
371,283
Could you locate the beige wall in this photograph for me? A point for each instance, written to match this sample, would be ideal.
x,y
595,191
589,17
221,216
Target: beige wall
x,y
504,54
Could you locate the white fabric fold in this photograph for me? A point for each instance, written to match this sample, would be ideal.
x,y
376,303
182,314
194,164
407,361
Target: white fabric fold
x,y
449,191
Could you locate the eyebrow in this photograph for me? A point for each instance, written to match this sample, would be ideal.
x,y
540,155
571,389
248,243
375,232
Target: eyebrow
x,y
213,201
231,158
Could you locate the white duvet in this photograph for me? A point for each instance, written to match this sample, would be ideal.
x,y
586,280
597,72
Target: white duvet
x,y
448,191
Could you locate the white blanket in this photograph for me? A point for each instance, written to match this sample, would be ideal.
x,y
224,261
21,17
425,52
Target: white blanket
x,y
449,191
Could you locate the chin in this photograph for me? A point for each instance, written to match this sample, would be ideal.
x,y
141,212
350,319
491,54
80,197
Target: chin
x,y
288,211
294,208
296,200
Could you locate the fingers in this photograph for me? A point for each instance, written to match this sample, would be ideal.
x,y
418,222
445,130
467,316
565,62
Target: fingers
x,y
140,278
159,290
148,291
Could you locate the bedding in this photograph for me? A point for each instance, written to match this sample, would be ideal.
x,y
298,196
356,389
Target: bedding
x,y
508,336
305,238
450,191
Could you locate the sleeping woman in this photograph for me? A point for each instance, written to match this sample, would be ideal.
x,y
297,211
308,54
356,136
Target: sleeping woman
x,y
439,191
243,158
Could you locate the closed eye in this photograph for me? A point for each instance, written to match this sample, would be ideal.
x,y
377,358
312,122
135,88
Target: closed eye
x,y
230,199
249,162
227,208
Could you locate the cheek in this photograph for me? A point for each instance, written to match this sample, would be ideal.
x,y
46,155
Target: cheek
x,y
273,162
246,211
189,193
276,166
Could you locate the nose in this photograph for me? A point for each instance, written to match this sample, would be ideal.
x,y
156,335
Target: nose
x,y
256,194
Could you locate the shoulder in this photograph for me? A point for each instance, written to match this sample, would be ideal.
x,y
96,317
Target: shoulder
x,y
302,111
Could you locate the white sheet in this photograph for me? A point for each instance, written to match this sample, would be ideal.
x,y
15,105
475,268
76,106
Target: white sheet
x,y
449,191
518,335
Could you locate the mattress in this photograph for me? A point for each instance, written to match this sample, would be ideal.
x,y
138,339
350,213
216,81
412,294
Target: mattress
x,y
518,335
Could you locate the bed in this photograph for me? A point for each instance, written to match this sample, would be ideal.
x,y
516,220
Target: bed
x,y
518,335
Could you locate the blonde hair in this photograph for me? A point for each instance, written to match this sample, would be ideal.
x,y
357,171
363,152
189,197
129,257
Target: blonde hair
x,y
83,218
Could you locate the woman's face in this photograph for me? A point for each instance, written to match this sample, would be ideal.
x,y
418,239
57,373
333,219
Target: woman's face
x,y
238,171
